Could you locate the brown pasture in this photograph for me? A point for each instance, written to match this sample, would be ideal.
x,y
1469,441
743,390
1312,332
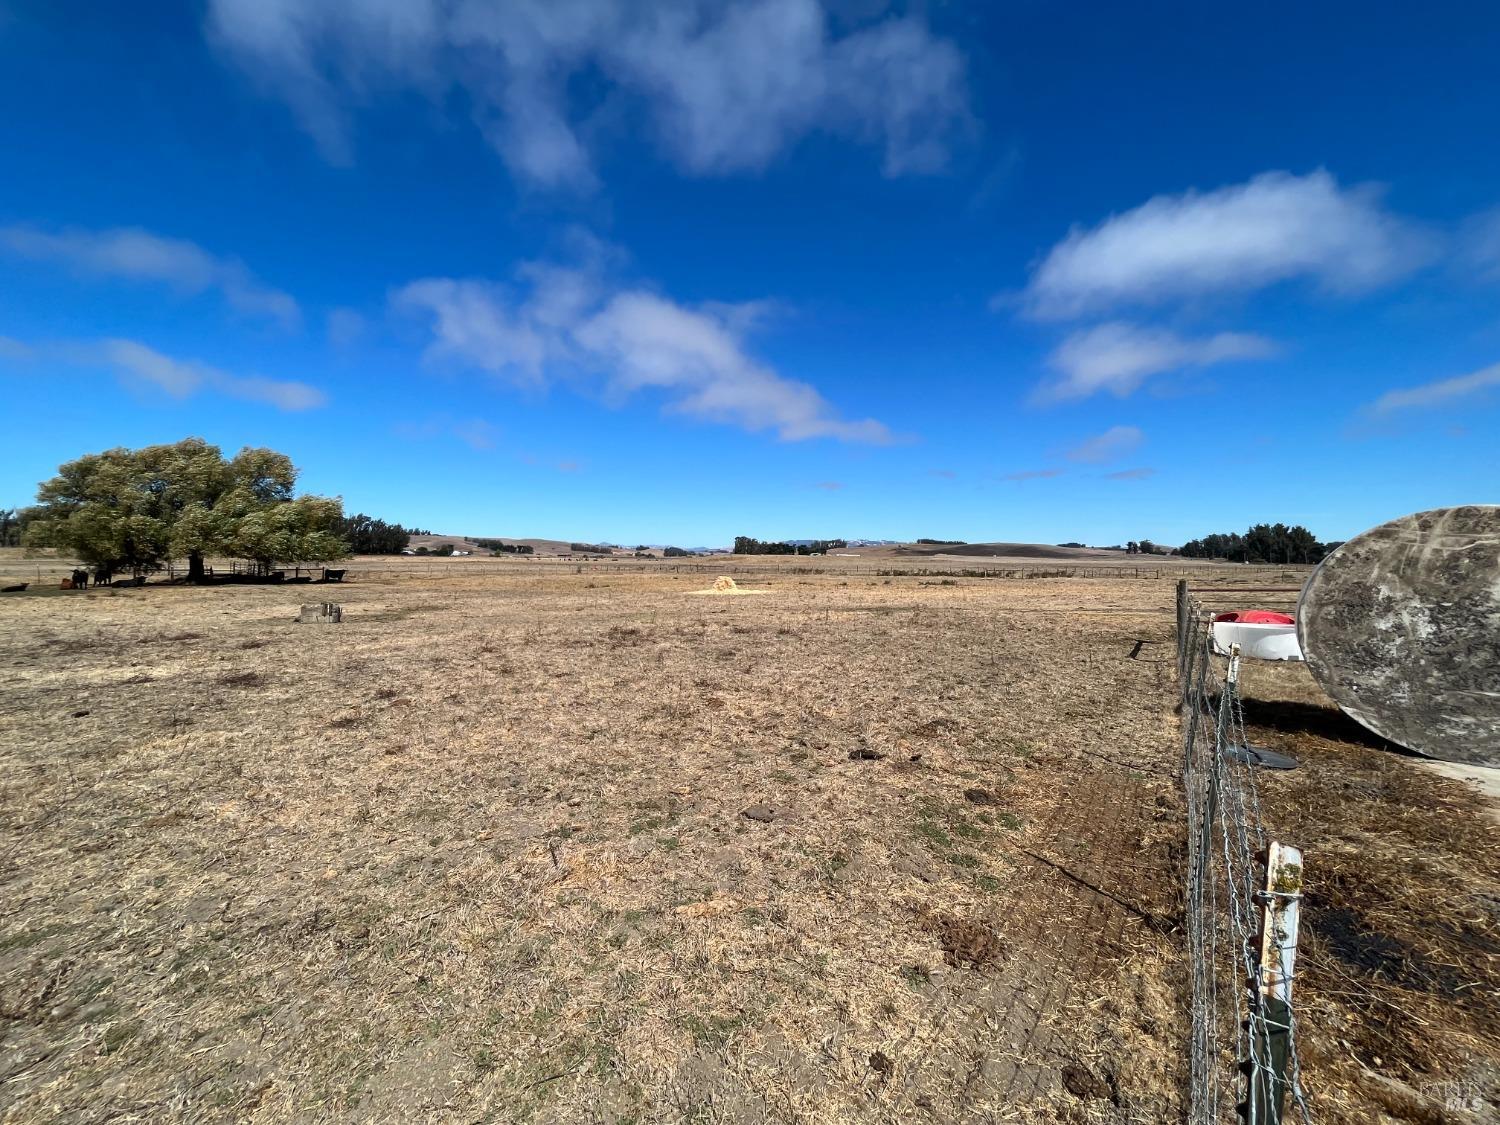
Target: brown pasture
x,y
557,844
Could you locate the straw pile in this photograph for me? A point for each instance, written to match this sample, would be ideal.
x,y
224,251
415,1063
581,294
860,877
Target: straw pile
x,y
726,585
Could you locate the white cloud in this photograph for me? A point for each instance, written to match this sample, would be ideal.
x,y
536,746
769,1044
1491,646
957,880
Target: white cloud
x,y
1118,358
570,323
726,85
1111,445
139,255
1273,228
1130,474
1443,392
182,378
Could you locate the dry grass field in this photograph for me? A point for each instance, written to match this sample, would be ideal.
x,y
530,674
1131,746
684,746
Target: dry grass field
x,y
565,844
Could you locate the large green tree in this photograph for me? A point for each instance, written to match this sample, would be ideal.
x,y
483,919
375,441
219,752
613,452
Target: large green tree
x,y
135,509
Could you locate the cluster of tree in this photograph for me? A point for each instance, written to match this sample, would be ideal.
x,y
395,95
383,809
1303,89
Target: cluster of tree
x,y
497,546
367,535
676,553
1263,543
944,542
138,509
1146,547
1073,545
746,545
13,523
591,548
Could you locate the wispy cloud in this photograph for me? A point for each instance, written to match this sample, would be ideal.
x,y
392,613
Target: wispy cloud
x,y
1112,444
345,326
1130,474
182,378
945,474
1119,357
725,86
1443,392
1480,245
830,485
1033,474
13,349
139,255
476,433
560,322
137,365
1273,228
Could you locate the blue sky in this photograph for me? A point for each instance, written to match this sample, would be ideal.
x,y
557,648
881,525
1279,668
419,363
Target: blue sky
x,y
678,272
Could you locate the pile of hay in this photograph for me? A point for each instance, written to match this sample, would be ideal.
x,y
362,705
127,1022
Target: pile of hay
x,y
726,585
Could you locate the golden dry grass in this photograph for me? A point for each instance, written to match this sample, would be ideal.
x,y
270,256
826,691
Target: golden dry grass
x,y
481,852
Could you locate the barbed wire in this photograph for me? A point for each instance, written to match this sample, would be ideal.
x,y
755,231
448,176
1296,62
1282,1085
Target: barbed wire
x,y
1233,1025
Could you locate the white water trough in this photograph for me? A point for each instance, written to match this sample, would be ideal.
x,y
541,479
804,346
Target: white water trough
x,y
1257,640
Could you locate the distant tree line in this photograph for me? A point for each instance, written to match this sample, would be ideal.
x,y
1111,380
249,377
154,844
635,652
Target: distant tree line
x,y
367,535
675,553
746,545
1072,545
1146,547
1263,543
944,542
591,548
496,546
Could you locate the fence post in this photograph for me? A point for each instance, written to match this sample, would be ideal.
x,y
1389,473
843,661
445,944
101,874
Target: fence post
x,y
1182,636
1270,1023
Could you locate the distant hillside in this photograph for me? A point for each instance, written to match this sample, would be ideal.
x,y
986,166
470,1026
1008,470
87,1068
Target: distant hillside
x,y
463,543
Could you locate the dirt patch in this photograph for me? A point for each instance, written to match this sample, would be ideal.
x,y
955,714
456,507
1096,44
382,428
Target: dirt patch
x,y
244,679
966,941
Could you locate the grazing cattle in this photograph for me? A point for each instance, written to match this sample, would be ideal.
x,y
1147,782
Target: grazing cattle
x,y
333,575
80,579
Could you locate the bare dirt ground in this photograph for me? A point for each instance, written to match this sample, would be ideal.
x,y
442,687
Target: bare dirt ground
x,y
552,846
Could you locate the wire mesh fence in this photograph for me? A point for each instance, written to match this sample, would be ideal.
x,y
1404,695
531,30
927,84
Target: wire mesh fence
x,y
1243,899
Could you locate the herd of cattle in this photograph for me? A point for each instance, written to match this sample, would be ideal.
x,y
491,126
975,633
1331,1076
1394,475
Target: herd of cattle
x,y
80,579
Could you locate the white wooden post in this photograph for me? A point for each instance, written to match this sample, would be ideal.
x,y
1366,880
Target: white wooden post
x,y
1271,1021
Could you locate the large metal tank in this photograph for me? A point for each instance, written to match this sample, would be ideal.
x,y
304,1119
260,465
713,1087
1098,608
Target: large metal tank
x,y
1401,627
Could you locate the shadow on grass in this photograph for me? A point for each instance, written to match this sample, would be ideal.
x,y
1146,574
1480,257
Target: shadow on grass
x,y
1288,717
